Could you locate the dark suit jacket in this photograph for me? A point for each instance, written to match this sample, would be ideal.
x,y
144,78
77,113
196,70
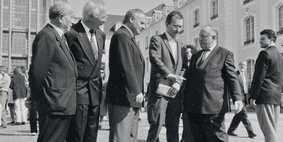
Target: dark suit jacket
x,y
207,85
126,66
162,62
268,77
52,74
18,86
89,82
244,95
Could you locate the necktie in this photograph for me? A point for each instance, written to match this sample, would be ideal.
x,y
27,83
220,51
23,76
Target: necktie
x,y
93,43
202,56
65,41
244,82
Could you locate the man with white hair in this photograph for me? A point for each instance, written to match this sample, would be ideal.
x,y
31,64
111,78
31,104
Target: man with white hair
x,y
86,42
52,76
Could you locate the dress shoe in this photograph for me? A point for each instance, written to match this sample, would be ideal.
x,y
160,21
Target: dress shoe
x,y
4,126
18,123
232,134
252,135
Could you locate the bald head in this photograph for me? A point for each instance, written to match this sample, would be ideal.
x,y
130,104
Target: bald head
x,y
207,37
94,12
59,8
210,30
61,15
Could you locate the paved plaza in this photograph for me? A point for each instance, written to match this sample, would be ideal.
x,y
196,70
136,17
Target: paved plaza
x,y
21,133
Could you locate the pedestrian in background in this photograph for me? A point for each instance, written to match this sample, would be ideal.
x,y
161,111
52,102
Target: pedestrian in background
x,y
5,81
267,85
18,85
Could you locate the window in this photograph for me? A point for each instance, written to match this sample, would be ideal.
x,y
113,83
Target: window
x,y
213,9
21,62
5,43
20,14
249,30
196,18
246,1
19,43
280,20
5,61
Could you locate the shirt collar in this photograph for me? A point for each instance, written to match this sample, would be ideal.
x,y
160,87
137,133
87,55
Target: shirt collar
x,y
85,27
128,30
270,46
169,37
59,31
213,46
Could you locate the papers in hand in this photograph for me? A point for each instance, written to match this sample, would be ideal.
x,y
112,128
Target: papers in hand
x,y
163,90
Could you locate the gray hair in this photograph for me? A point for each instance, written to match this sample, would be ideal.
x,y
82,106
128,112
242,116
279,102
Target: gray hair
x,y
93,8
131,13
211,31
59,8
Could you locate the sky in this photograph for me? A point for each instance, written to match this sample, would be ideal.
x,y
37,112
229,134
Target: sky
x,y
120,7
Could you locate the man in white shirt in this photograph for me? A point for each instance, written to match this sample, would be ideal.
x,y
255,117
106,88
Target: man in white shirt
x,y
86,42
166,68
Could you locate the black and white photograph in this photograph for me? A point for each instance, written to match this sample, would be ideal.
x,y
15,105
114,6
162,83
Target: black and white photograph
x,y
141,70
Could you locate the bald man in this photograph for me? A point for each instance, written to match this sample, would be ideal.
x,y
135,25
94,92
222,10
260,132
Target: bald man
x,y
86,42
206,99
52,76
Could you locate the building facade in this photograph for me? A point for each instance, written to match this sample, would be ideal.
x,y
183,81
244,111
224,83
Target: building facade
x,y
20,20
238,23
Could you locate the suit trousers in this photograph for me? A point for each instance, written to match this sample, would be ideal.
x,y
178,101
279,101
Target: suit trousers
x,y
172,119
33,119
268,117
156,112
208,127
3,101
187,135
123,123
242,116
53,128
84,125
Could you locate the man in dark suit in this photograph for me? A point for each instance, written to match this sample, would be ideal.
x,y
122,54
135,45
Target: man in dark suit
x,y
52,76
267,85
166,64
125,85
242,115
209,77
86,42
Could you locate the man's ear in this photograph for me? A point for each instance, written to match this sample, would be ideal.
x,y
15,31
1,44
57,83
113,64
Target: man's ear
x,y
132,19
60,18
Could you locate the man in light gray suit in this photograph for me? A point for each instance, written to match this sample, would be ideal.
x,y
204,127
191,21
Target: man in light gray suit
x,y
166,61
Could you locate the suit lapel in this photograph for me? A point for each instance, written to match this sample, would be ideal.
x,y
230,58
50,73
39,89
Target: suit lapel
x,y
140,53
209,58
85,45
64,48
166,42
